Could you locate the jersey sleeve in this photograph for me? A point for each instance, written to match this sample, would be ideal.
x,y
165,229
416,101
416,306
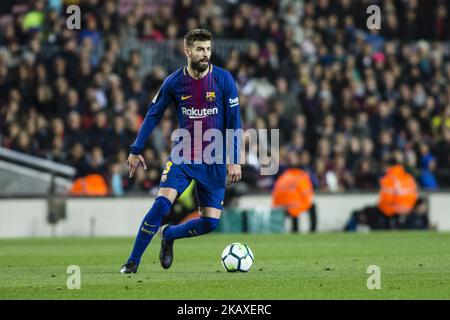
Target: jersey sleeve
x,y
233,115
154,114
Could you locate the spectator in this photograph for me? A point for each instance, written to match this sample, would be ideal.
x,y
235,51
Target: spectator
x,y
96,162
397,201
344,98
428,166
293,192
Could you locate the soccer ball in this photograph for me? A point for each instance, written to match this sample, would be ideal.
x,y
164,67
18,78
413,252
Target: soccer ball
x,y
237,257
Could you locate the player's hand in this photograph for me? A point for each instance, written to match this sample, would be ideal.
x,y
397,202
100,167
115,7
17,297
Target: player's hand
x,y
133,162
234,173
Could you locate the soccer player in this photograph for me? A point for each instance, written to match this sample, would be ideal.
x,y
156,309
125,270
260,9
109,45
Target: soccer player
x,y
204,95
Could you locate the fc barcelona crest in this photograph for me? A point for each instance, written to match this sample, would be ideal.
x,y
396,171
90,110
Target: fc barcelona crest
x,y
210,96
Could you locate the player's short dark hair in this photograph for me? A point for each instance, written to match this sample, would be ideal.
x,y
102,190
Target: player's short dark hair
x,y
197,35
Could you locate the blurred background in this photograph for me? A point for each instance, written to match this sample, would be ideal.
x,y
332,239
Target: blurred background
x,y
347,100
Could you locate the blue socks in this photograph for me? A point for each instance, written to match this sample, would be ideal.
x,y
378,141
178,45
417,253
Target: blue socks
x,y
152,222
149,227
191,228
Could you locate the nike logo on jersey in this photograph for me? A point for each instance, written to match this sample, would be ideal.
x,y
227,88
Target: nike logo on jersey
x,y
149,225
156,97
185,97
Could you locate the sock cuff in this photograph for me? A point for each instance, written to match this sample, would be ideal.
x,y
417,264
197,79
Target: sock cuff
x,y
164,200
209,219
211,223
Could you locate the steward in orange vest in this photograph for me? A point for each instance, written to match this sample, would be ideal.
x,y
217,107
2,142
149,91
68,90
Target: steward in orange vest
x,y
398,206
293,190
90,185
398,193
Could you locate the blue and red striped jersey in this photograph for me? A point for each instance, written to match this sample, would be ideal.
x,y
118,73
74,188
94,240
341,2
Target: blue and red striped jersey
x,y
212,101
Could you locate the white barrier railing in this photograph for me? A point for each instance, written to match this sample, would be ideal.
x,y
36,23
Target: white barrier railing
x,y
122,216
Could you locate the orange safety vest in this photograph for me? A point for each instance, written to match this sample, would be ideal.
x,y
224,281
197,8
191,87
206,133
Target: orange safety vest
x,y
294,191
193,215
398,193
90,185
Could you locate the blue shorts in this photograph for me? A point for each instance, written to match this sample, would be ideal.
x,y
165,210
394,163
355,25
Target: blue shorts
x,y
210,178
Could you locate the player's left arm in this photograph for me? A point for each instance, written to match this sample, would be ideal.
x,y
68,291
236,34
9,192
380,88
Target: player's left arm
x,y
233,121
154,114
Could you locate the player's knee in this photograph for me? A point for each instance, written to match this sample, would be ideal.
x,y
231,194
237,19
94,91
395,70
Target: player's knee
x,y
209,224
162,203
160,207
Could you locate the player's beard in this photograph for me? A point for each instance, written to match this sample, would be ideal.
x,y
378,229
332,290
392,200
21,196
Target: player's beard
x,y
199,65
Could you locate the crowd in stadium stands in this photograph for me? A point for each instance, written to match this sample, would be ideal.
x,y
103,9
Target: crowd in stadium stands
x,y
346,99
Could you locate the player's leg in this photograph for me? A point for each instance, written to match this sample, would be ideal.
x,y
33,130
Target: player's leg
x,y
211,193
173,182
206,223
210,199
149,226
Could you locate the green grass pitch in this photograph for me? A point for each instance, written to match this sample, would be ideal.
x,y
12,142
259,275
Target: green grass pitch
x,y
414,265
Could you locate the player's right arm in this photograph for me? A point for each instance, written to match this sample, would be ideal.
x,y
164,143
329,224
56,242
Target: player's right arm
x,y
154,114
